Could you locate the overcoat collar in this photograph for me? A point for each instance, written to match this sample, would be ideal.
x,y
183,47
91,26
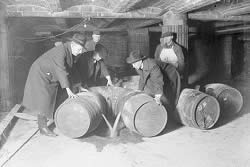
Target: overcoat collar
x,y
145,72
69,56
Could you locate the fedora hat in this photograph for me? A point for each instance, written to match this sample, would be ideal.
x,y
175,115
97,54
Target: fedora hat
x,y
79,39
167,34
96,33
135,56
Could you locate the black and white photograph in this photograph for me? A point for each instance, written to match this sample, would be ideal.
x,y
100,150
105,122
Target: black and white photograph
x,y
124,83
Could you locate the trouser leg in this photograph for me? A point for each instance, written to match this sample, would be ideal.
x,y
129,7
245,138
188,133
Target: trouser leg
x,y
42,125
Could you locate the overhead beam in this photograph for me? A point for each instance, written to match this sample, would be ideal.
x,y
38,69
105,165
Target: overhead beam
x,y
215,16
184,6
146,23
107,22
7,2
227,24
233,29
127,5
67,14
38,5
124,5
155,29
237,9
225,12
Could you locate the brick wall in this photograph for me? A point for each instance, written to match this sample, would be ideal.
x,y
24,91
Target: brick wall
x,y
139,40
116,43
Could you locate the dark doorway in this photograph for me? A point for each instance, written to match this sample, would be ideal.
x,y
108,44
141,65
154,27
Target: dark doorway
x,y
154,40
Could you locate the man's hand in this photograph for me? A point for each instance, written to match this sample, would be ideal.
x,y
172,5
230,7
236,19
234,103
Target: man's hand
x,y
81,89
158,99
109,82
70,93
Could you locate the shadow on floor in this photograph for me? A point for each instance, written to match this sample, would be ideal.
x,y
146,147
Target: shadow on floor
x,y
171,126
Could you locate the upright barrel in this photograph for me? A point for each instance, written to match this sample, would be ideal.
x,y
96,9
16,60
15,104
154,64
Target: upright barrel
x,y
197,109
79,116
229,98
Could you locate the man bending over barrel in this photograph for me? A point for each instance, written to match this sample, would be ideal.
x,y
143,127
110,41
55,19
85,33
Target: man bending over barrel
x,y
151,79
45,75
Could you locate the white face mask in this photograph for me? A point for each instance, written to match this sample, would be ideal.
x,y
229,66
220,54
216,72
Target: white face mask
x,y
76,48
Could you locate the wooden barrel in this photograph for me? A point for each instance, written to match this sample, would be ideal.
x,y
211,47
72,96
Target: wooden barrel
x,y
141,114
81,115
230,99
197,109
111,94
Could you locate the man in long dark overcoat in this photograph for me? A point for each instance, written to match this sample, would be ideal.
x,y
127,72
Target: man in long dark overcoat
x,y
92,68
48,72
151,79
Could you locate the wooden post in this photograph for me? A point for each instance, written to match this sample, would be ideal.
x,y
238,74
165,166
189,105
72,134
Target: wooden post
x,y
5,90
176,23
226,57
246,67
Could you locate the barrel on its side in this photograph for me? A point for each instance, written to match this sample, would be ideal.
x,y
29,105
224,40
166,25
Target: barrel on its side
x,y
229,98
79,116
112,94
142,114
197,109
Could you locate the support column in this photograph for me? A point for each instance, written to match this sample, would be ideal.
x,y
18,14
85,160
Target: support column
x,y
5,91
226,57
246,67
176,23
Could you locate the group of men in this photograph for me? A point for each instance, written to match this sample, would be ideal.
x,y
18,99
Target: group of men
x,y
54,68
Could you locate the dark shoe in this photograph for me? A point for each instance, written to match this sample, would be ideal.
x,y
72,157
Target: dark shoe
x,y
45,131
42,125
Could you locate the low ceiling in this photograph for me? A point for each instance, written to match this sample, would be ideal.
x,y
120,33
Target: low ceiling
x,y
226,16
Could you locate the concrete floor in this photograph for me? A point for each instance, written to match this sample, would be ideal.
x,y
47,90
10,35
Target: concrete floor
x,y
226,145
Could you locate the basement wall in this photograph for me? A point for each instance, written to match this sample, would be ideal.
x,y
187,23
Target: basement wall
x,y
23,51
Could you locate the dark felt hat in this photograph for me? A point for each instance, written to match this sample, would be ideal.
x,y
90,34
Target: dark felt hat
x,y
167,34
96,32
79,39
135,56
